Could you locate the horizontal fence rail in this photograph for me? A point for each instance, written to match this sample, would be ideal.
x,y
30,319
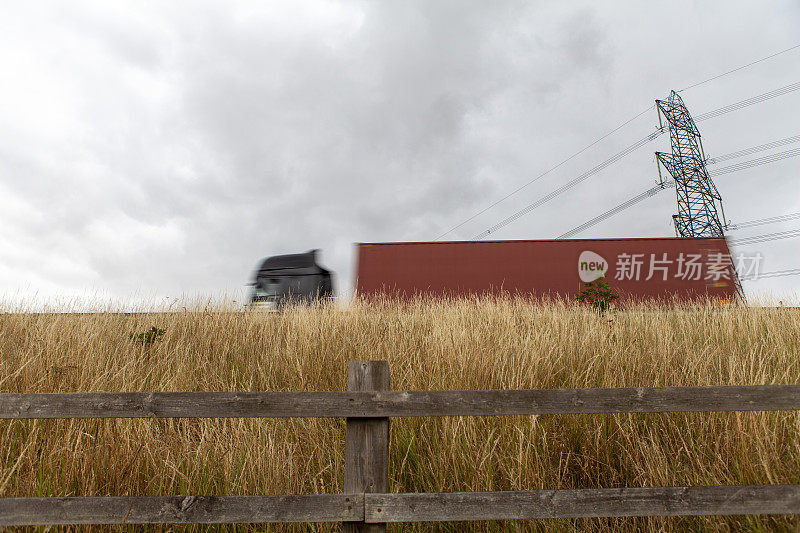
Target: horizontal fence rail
x,y
582,503
409,507
368,406
398,403
181,509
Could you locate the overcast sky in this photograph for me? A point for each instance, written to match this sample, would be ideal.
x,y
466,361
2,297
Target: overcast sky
x,y
160,149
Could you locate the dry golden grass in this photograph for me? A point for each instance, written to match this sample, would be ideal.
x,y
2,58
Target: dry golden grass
x,y
466,344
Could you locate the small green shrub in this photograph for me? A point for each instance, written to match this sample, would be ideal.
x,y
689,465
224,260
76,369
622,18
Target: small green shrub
x,y
598,294
148,337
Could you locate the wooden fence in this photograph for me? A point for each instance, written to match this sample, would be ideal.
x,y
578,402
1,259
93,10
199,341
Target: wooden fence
x,y
366,504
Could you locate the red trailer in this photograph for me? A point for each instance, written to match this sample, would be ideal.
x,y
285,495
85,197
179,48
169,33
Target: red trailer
x,y
636,269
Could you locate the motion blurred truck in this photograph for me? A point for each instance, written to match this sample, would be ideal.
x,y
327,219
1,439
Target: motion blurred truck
x,y
675,269
290,278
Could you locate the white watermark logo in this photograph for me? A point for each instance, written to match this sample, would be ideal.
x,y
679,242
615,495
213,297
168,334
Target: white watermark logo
x,y
713,267
591,266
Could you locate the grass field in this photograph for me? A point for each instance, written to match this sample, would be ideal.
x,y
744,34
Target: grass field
x,y
467,344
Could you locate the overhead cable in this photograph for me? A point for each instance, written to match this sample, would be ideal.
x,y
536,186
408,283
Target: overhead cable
x,y
655,190
567,186
772,158
748,102
711,114
545,173
752,150
760,222
773,274
741,68
756,239
630,202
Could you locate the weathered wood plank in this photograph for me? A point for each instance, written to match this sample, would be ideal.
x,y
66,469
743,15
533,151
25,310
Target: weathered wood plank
x,y
181,509
180,404
355,404
366,457
583,503
588,401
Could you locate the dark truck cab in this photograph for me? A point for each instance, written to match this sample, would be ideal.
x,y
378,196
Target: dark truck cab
x,y
291,278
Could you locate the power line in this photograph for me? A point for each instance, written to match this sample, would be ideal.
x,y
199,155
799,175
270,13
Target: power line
x,y
741,68
705,116
762,221
655,190
546,172
570,184
773,274
711,114
755,162
756,239
753,149
748,102
630,202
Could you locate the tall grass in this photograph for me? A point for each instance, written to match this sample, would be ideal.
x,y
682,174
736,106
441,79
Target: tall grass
x,y
462,344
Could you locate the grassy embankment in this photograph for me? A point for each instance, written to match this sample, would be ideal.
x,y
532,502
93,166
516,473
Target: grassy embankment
x,y
487,344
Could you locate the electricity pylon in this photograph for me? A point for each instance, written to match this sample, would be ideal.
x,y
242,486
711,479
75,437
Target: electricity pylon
x,y
699,202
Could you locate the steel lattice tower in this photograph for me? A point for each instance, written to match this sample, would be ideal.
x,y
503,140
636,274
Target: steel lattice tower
x,y
699,202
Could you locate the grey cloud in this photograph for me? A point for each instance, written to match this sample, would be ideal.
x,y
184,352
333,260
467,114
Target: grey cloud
x,y
196,141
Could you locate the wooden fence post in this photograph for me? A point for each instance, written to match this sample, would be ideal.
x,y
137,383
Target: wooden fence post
x,y
366,455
